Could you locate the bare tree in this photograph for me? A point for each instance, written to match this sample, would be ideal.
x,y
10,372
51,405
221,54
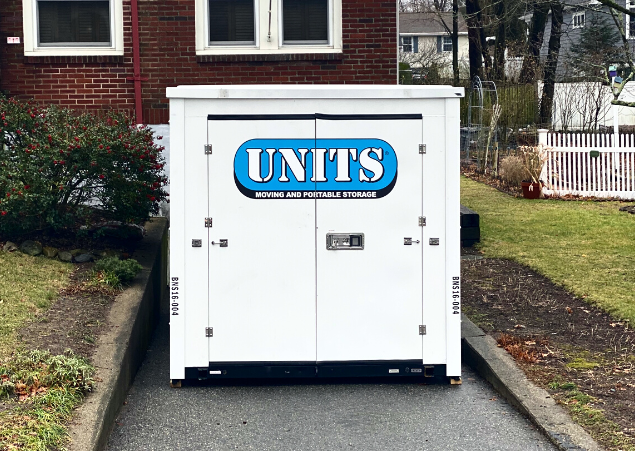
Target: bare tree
x,y
498,67
534,41
629,60
476,43
427,63
496,15
546,101
455,41
437,7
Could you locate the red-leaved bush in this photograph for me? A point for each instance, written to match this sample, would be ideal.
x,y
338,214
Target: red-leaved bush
x,y
61,169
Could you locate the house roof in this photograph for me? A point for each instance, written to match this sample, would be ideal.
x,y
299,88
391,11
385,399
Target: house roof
x,y
428,23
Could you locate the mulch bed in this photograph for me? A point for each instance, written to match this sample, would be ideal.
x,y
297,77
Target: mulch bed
x,y
556,336
469,170
74,321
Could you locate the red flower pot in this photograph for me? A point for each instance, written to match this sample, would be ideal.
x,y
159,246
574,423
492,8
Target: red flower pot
x,y
530,190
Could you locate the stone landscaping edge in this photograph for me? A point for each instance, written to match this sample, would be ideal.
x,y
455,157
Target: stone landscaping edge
x,y
494,364
121,350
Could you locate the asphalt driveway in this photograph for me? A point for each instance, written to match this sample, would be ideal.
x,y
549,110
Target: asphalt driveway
x,y
315,416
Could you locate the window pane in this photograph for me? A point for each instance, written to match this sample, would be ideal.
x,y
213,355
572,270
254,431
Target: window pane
x,y
406,43
447,44
61,22
305,20
231,21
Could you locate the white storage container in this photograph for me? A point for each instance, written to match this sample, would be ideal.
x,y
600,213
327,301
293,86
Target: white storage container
x,y
314,231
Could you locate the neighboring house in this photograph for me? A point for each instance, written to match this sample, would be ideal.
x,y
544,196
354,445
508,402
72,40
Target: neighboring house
x,y
425,41
80,54
578,15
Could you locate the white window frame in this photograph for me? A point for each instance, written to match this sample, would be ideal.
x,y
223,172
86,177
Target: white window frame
x,y
573,19
31,47
403,44
630,34
444,39
265,44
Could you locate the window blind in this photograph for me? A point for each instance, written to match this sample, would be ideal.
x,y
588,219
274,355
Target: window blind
x,y
305,20
231,21
62,22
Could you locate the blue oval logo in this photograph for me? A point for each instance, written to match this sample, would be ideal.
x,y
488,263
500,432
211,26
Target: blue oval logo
x,y
315,168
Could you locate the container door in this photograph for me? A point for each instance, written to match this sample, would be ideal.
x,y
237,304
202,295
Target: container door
x,y
369,242
262,240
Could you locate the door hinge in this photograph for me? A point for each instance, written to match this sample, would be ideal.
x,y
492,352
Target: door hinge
x,y
209,332
208,222
208,149
422,221
422,330
422,148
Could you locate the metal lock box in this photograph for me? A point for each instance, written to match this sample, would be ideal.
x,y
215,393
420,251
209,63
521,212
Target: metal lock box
x,y
269,186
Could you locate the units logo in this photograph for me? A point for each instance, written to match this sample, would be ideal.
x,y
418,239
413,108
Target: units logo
x,y
310,168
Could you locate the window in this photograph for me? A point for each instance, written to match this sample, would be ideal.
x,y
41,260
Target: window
x,y
230,27
305,21
68,23
406,44
578,19
73,27
447,44
231,21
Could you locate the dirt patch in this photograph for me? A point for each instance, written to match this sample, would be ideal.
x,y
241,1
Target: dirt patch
x,y
74,321
584,357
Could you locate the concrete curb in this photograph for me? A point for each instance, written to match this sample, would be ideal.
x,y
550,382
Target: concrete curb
x,y
495,365
121,350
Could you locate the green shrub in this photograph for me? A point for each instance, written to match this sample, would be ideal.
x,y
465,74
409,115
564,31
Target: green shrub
x,y
62,169
405,74
123,270
107,278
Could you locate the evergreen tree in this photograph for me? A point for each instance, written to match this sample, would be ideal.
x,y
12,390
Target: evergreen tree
x,y
598,47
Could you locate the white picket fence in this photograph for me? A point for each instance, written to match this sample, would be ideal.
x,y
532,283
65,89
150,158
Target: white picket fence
x,y
570,167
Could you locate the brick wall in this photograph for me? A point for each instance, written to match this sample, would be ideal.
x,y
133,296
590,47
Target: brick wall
x,y
168,58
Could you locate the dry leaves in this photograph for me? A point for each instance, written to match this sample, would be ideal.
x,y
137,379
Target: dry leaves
x,y
517,348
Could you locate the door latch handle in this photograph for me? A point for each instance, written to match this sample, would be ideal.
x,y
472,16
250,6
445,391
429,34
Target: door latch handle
x,y
221,243
409,241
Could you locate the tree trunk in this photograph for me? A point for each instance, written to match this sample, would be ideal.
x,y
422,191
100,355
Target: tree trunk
x,y
534,41
487,61
472,9
498,69
455,41
546,102
1,58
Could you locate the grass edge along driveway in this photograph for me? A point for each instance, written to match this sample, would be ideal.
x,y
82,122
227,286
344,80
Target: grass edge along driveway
x,y
587,247
38,391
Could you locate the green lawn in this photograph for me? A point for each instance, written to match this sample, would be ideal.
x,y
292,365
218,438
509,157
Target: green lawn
x,y
587,247
27,285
